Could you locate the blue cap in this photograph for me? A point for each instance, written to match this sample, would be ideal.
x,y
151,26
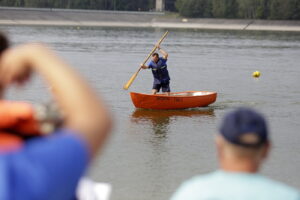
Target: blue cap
x,y
244,127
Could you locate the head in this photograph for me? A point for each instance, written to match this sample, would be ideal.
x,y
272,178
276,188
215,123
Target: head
x,y
3,45
155,57
243,141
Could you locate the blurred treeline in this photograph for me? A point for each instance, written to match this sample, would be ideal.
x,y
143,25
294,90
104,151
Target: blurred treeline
x,y
131,5
249,9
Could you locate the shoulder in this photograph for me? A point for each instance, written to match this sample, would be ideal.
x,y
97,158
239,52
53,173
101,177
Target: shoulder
x,y
201,180
163,59
279,189
236,185
190,188
64,146
150,65
63,138
51,163
65,142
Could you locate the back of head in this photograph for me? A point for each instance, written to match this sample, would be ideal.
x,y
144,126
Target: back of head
x,y
244,132
244,127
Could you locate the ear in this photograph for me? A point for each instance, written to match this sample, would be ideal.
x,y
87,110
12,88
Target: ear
x,y
266,150
219,145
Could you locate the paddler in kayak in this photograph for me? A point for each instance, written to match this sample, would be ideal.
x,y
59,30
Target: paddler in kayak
x,y
158,65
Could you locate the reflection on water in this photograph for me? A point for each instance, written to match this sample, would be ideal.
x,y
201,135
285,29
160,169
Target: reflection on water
x,y
160,119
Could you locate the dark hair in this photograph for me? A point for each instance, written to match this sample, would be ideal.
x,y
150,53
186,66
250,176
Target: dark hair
x,y
155,54
3,42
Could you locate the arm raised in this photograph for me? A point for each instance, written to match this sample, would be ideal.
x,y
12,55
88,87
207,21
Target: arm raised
x,y
84,111
164,53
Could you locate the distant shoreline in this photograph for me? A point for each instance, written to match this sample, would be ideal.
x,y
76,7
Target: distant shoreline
x,y
96,18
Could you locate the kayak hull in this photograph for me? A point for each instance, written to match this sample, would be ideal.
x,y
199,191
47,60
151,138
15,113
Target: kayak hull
x,y
176,100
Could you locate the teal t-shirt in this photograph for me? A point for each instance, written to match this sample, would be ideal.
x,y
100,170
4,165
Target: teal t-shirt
x,y
221,185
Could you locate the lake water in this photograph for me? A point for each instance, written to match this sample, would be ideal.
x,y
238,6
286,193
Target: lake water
x,y
151,152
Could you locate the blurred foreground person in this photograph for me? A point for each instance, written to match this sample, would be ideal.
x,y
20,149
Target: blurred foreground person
x,y
50,167
242,145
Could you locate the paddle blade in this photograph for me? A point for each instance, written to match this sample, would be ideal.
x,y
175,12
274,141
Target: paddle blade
x,y
127,85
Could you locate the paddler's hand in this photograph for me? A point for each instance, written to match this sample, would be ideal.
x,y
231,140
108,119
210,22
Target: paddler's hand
x,y
144,66
157,46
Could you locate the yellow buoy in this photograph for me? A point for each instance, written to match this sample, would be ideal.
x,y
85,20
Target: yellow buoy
x,y
256,74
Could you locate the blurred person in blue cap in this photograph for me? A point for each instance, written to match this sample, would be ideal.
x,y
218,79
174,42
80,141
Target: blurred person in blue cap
x,y
49,167
242,146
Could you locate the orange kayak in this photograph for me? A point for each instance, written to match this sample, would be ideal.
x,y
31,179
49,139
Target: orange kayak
x,y
176,100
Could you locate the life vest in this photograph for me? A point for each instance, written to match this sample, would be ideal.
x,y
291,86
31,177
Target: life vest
x,y
160,71
17,122
18,118
20,121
